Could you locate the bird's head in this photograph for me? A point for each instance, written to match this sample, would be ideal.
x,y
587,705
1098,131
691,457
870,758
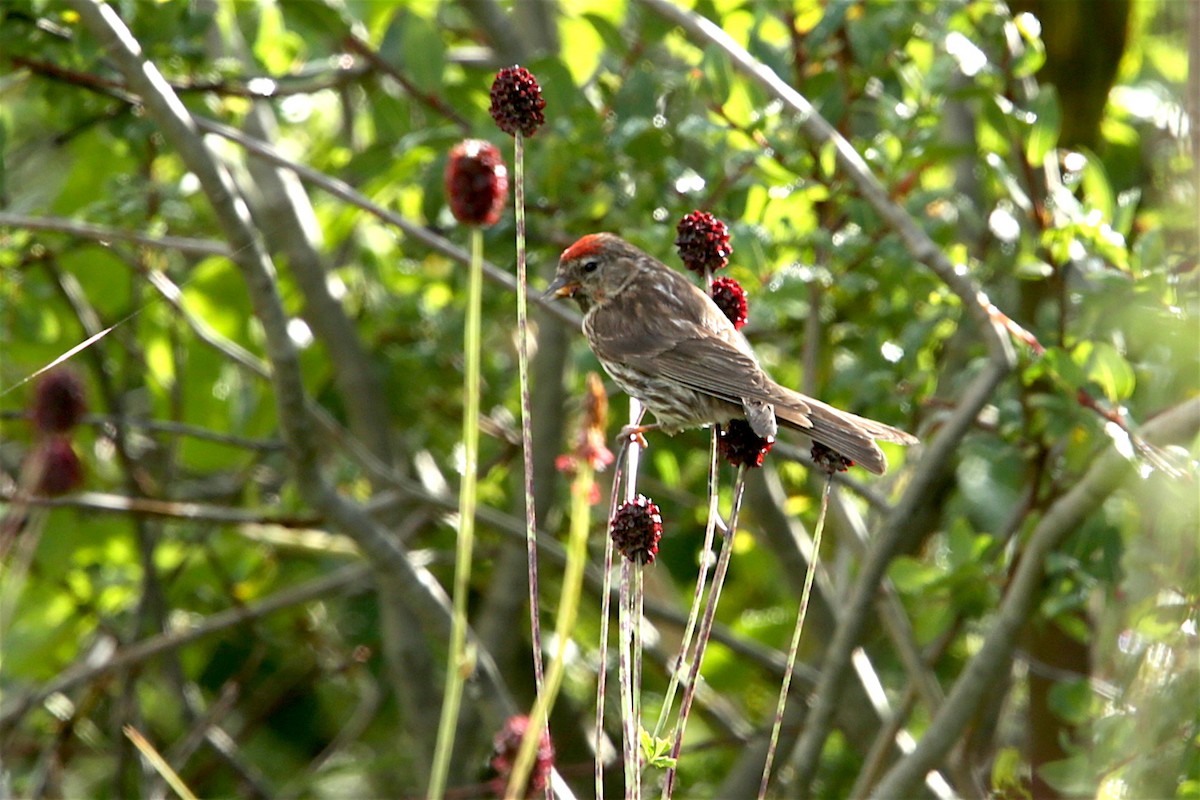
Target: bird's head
x,y
594,268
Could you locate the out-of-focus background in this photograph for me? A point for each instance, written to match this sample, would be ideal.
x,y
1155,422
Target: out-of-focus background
x,y
170,569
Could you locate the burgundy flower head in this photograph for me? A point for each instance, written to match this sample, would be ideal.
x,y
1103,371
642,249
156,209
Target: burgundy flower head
x,y
504,755
703,242
476,182
59,469
741,446
636,529
730,297
517,102
829,460
58,402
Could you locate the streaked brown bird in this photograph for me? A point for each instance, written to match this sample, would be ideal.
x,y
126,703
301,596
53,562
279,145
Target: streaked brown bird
x,y
665,342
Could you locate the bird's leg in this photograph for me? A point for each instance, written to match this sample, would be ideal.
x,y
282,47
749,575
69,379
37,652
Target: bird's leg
x,y
633,433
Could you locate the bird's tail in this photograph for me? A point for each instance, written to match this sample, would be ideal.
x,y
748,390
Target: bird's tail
x,y
847,434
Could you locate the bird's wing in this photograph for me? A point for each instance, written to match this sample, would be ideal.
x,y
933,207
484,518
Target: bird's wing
x,y
667,326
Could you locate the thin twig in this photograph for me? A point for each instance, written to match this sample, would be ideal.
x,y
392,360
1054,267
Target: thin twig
x,y
167,509
159,763
105,234
794,645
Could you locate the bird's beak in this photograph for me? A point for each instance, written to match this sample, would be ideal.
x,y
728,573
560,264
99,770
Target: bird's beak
x,y
561,287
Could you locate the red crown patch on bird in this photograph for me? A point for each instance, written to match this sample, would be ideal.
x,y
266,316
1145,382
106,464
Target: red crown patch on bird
x,y
588,245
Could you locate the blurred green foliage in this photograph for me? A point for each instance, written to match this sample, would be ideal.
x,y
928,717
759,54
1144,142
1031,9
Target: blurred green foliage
x,y
1091,247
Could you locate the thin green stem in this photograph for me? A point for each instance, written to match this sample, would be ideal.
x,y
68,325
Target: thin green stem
x,y
535,627
605,602
794,647
639,596
568,611
457,663
625,667
602,674
706,623
701,581
619,483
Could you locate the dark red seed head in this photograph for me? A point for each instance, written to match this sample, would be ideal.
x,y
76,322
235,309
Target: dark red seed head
x,y
730,297
829,460
741,446
476,182
504,755
636,529
58,402
517,102
58,468
703,242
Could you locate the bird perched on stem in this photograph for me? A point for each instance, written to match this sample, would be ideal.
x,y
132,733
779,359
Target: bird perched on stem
x,y
665,342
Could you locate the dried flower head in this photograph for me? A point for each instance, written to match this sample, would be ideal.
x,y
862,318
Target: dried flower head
x,y
476,182
703,242
504,755
592,439
58,401
741,446
517,102
636,529
57,468
591,447
730,297
829,460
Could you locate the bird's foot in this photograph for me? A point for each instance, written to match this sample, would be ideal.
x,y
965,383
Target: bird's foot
x,y
633,433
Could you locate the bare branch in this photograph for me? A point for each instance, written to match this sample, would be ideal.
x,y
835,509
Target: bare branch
x,y
1106,475
104,234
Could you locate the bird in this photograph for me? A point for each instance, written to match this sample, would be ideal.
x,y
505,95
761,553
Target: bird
x,y
664,341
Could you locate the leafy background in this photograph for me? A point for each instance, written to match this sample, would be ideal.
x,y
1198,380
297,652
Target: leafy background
x,y
1046,146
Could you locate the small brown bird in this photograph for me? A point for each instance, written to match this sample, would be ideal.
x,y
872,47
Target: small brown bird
x,y
665,342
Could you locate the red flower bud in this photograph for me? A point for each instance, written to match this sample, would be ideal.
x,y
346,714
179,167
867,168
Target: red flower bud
x,y
730,297
58,402
58,468
829,460
636,529
703,242
517,101
504,755
741,446
476,182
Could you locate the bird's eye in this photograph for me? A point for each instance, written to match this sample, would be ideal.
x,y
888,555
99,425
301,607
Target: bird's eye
x,y
591,266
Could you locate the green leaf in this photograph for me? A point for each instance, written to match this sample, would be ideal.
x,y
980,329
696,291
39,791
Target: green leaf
x,y
911,575
1006,773
274,46
1071,700
1072,776
1043,136
1033,56
414,44
656,750
1097,189
718,75
1104,365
